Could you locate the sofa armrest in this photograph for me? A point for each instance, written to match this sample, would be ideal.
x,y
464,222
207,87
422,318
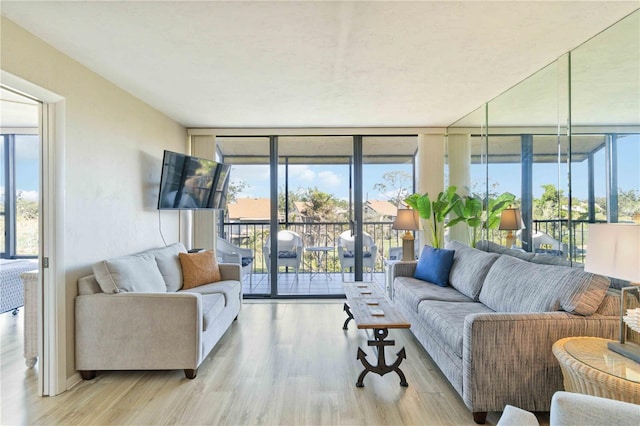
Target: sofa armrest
x,y
404,269
507,357
574,408
230,271
128,331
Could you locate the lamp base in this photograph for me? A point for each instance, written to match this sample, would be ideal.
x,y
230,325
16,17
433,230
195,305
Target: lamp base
x,y
627,350
511,239
408,253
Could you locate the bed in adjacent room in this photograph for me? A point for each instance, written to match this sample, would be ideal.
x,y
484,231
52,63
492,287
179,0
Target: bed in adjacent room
x,y
11,287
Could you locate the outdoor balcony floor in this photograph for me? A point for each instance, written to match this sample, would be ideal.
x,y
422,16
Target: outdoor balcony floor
x,y
320,284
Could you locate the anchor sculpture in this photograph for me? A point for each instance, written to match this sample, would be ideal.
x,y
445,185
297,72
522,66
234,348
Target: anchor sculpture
x,y
381,368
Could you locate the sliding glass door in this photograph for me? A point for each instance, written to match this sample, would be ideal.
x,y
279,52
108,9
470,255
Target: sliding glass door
x,y
328,201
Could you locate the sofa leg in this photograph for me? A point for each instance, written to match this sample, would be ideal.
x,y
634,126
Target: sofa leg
x,y
88,374
480,417
192,373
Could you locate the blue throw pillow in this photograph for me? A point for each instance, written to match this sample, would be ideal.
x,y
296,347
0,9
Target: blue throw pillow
x,y
434,265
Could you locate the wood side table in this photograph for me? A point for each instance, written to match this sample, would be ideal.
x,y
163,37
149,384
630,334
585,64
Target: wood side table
x,y
589,367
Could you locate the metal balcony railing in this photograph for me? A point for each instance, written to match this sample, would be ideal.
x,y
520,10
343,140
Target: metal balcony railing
x,y
254,235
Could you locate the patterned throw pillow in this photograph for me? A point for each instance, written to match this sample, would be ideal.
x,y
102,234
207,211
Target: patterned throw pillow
x,y
199,268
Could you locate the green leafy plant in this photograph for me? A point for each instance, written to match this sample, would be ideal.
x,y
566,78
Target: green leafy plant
x,y
480,214
495,207
469,211
435,212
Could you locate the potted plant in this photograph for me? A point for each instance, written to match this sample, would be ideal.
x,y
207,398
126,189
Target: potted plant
x,y
435,212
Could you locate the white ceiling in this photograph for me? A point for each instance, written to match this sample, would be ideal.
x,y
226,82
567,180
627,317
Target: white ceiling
x,y
316,64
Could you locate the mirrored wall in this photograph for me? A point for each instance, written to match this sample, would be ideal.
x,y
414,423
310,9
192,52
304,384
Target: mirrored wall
x,y
565,142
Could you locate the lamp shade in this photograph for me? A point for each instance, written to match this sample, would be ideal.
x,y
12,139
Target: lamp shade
x,y
510,220
614,250
406,219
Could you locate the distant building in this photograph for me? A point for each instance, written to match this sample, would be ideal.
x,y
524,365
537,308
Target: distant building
x,y
246,215
249,209
380,211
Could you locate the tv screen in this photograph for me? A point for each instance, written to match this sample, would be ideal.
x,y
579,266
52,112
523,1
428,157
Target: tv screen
x,y
190,183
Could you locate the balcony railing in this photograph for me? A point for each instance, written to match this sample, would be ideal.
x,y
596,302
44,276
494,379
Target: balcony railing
x,y
254,235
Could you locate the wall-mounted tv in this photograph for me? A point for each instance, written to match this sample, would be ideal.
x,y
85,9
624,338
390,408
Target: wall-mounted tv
x,y
190,183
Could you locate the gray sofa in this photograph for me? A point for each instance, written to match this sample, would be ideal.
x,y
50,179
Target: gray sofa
x,y
133,315
491,330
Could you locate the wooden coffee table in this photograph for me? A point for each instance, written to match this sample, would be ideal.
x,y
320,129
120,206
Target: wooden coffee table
x,y
368,306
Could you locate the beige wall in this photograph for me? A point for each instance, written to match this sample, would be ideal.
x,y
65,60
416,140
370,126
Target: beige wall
x,y
113,145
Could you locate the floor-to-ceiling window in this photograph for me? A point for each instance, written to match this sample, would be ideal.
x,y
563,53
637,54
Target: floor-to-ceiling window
x,y
316,204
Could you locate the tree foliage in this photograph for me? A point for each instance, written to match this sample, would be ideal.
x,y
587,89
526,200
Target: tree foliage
x,y
395,186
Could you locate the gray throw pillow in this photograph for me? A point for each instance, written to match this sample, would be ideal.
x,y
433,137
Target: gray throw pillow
x,y
135,273
470,268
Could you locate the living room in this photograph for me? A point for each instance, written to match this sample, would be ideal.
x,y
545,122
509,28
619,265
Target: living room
x,y
106,141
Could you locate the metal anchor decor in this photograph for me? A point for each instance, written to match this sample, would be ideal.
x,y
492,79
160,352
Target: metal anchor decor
x,y
347,309
382,368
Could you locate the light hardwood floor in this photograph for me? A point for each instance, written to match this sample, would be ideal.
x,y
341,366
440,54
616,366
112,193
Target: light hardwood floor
x,y
279,364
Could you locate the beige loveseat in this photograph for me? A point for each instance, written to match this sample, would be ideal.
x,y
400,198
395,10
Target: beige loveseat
x,y
133,315
490,331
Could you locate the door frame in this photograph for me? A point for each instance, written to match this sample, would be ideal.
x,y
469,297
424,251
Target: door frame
x,y
52,315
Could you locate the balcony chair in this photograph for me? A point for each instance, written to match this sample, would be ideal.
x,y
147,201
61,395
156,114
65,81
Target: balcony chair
x,y
290,250
346,255
230,253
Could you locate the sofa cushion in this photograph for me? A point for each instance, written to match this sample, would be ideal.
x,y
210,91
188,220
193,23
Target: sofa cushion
x,y
434,265
199,268
230,289
134,273
513,285
469,269
212,305
412,291
169,264
446,320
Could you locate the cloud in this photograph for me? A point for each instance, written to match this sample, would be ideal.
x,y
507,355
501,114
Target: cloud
x,y
250,172
329,179
301,172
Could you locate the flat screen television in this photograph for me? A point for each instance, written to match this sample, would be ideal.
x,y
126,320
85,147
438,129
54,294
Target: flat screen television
x,y
192,183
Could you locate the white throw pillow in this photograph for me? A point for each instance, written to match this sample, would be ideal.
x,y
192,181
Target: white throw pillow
x,y
169,264
135,273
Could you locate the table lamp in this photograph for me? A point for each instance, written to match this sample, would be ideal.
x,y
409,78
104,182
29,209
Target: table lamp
x,y
614,251
408,220
510,220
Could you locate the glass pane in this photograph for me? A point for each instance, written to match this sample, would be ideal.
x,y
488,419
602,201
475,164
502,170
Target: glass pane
x,y
470,130
388,178
314,196
527,152
27,195
605,129
2,196
247,216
